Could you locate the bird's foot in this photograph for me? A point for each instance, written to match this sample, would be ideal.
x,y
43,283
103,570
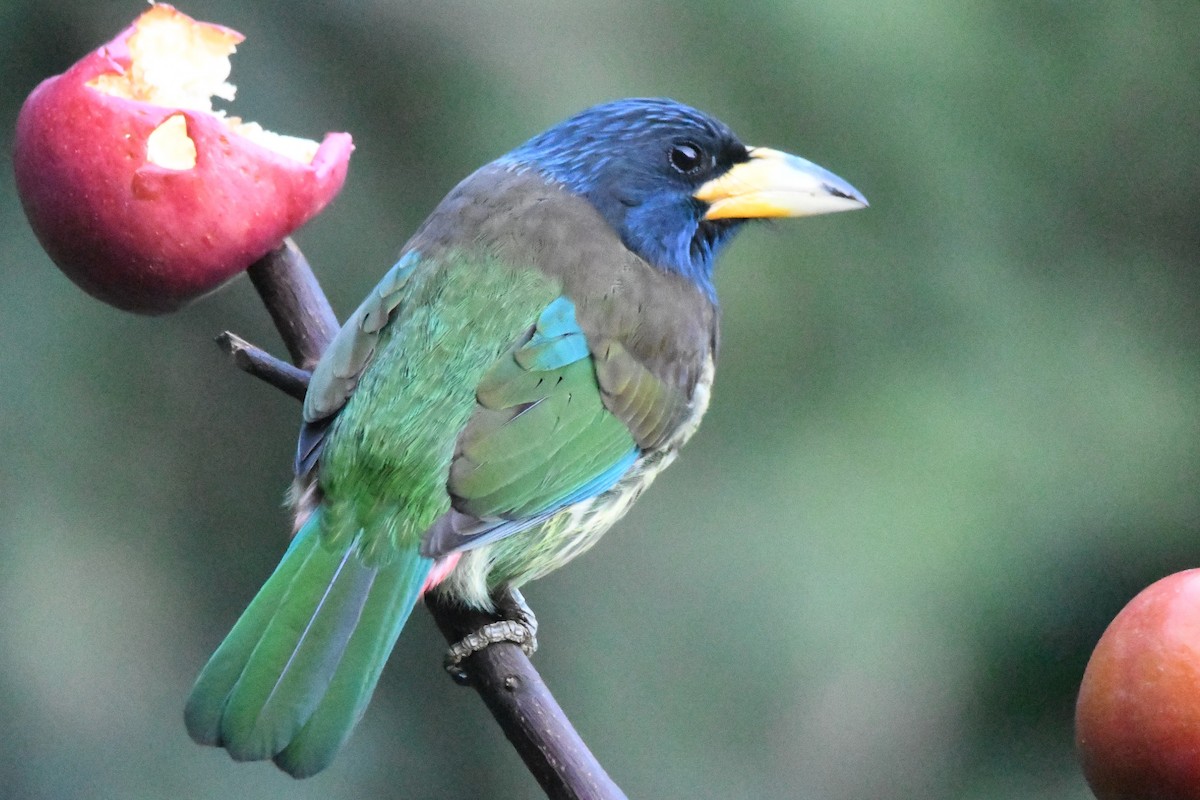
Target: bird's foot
x,y
517,625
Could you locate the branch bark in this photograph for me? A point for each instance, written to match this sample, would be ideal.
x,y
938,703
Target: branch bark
x,y
296,303
513,690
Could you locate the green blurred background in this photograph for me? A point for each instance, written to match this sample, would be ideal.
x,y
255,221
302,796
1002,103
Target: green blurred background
x,y
951,436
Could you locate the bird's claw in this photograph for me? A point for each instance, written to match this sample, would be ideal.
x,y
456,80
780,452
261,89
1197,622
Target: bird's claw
x,y
519,627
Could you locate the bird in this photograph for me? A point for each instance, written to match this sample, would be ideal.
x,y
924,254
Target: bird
x,y
541,350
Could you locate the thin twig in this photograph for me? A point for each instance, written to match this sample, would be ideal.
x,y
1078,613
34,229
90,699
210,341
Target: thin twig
x,y
502,674
261,364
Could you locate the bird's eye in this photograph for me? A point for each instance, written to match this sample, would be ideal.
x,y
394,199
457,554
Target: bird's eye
x,y
686,157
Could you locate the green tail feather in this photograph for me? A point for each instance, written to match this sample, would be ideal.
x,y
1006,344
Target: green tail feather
x,y
297,670
392,598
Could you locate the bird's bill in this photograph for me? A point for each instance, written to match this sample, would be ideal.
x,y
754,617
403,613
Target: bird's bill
x,y
776,184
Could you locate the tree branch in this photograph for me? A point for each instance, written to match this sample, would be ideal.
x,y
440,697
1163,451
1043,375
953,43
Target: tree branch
x,y
502,674
296,303
530,716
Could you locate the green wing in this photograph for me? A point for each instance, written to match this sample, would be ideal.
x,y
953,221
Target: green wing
x,y
554,420
540,438
338,371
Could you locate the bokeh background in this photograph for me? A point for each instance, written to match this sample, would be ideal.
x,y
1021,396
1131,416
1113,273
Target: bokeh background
x,y
952,435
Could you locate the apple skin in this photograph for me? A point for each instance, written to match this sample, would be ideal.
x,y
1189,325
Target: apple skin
x,y
1137,721
143,237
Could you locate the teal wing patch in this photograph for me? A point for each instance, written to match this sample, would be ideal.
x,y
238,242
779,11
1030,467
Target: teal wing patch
x,y
540,438
338,371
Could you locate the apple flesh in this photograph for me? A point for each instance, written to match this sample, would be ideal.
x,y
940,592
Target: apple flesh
x,y
143,194
1137,721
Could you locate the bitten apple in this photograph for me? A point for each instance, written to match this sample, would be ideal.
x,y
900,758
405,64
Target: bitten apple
x,y
1137,722
139,190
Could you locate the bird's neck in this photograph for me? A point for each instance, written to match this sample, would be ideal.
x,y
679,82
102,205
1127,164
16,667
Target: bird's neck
x,y
679,246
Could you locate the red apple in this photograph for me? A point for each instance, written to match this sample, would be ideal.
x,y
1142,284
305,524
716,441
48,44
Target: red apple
x,y
1137,722
143,194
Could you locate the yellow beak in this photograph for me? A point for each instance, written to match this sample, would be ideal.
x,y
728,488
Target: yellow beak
x,y
775,184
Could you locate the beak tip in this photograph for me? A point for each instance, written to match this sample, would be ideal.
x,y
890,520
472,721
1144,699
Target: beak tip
x,y
847,192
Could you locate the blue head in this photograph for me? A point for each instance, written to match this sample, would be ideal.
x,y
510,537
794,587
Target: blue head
x,y
674,182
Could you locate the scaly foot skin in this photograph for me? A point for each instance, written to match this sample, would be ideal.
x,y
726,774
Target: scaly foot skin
x,y
517,625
